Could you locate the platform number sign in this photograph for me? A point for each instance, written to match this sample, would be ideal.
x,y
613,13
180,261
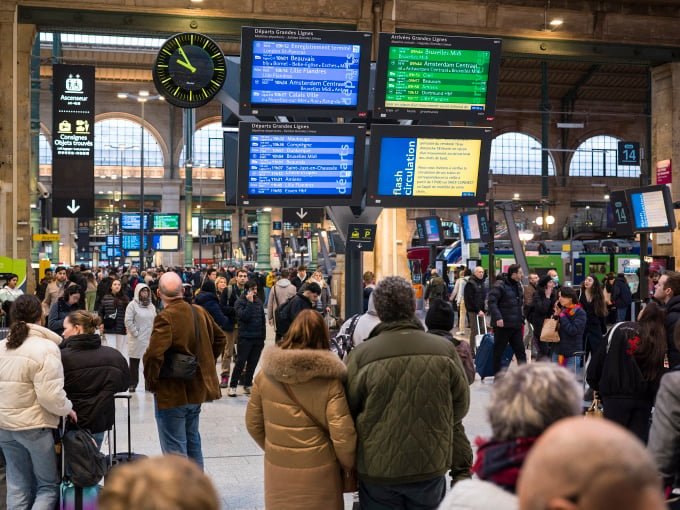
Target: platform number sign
x,y
629,153
622,222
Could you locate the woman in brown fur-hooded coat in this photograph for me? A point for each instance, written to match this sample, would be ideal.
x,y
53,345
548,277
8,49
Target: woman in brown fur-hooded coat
x,y
301,466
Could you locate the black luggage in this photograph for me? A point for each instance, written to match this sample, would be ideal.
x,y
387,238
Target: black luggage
x,y
484,356
117,457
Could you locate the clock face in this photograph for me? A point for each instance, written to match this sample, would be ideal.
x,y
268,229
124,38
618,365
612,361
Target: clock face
x,y
189,70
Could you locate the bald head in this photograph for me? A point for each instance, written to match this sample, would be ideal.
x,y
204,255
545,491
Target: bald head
x,y
589,465
170,286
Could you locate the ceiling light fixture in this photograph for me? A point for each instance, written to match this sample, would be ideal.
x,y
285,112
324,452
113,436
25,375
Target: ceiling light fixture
x,y
571,125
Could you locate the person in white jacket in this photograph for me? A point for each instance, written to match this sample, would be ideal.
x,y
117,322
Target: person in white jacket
x,y
32,398
139,316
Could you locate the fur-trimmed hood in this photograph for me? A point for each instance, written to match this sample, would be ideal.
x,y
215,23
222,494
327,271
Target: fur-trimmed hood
x,y
294,366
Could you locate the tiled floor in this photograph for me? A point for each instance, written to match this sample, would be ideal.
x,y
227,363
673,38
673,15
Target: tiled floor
x,y
232,459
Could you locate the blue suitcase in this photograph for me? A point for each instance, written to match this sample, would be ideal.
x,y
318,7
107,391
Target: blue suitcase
x,y
77,498
484,358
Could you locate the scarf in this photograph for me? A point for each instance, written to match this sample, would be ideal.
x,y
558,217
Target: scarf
x,y
500,462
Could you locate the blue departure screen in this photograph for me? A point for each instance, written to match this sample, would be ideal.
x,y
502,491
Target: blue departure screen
x,y
649,210
130,221
300,164
305,73
131,242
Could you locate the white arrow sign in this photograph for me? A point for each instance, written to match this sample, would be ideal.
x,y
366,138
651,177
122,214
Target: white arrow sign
x,y
302,213
73,208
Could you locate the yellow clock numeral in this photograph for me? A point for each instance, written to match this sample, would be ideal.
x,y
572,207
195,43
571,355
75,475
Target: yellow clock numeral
x,y
166,80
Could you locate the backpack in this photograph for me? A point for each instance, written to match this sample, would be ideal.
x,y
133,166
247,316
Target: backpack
x,y
282,317
85,464
343,342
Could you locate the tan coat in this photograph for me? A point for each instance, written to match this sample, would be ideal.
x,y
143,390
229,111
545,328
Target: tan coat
x,y
173,329
301,468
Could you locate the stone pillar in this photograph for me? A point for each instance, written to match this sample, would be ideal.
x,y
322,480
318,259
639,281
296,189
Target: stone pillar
x,y
666,138
392,238
264,225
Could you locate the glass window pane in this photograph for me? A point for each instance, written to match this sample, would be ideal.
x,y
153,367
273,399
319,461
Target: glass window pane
x,y
597,157
118,143
517,154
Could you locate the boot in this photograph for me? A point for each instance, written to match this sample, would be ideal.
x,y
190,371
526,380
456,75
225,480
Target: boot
x,y
134,374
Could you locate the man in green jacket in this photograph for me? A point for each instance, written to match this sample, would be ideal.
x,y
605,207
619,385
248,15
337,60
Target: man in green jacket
x,y
408,394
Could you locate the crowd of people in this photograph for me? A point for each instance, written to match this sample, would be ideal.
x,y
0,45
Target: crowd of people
x,y
388,413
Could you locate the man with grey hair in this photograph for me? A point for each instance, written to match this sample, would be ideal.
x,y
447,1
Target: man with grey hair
x,y
589,465
523,404
408,394
186,329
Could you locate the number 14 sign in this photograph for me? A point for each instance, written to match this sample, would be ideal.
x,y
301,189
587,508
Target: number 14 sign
x,y
629,153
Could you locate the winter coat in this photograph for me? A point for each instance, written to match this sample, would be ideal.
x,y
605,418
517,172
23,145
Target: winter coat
x,y
301,463
139,323
280,293
398,380
364,325
572,327
478,495
436,288
58,312
593,321
32,392
458,293
110,305
474,295
505,302
295,280
672,317
664,435
227,301
211,303
173,330
53,292
92,375
251,322
463,349
541,308
621,295
300,302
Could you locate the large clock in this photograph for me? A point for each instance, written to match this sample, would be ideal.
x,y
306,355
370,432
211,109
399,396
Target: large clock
x,y
189,70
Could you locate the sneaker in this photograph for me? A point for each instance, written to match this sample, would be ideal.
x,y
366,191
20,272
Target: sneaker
x,y
224,382
231,392
246,390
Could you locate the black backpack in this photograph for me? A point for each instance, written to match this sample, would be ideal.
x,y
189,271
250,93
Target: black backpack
x,y
85,464
343,342
282,317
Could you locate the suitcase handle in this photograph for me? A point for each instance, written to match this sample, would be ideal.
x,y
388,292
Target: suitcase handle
x,y
483,322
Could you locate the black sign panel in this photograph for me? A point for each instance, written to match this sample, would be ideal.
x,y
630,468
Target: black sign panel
x,y
621,218
629,153
73,141
302,215
361,236
83,232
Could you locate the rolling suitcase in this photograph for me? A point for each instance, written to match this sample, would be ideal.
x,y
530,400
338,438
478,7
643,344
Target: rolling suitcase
x,y
73,497
484,357
117,457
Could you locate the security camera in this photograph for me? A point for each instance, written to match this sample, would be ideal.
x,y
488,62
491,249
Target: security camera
x,y
44,192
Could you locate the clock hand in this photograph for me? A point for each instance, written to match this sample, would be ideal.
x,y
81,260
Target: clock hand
x,y
185,62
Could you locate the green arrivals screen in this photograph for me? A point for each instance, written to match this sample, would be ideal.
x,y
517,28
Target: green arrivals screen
x,y
440,78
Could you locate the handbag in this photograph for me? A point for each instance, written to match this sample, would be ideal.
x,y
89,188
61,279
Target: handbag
x,y
595,409
348,476
177,365
549,332
110,320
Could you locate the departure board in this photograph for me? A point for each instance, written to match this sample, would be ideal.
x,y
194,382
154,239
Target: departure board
x,y
649,210
299,161
296,68
441,76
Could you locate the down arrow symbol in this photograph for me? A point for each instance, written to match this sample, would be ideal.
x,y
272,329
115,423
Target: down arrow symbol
x,y
73,208
302,213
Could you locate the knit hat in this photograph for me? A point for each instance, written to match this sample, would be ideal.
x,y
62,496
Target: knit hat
x,y
440,315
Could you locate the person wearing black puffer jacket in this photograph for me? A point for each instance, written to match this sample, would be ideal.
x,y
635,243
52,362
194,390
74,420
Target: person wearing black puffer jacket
x,y
505,307
251,335
207,298
112,312
93,373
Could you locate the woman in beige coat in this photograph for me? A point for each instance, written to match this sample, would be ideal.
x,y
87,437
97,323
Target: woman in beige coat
x,y
301,463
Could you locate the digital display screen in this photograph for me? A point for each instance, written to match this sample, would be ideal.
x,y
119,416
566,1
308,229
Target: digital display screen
x,y
427,165
165,222
130,221
652,209
435,75
112,240
300,68
429,229
313,164
164,242
471,227
131,242
112,252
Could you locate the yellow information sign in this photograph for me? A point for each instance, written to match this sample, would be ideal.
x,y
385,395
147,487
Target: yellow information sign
x,y
46,237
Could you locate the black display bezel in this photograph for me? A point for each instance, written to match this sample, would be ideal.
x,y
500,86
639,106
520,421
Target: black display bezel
x,y
668,208
429,115
250,34
381,131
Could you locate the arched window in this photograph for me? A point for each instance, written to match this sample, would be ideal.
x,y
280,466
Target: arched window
x,y
44,150
208,150
118,145
517,154
597,157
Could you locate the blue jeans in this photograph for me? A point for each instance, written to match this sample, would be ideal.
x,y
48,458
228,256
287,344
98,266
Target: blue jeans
x,y
32,475
621,312
424,495
178,431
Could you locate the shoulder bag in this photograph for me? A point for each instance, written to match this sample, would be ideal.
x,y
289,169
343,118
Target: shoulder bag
x,y
550,330
177,365
349,477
